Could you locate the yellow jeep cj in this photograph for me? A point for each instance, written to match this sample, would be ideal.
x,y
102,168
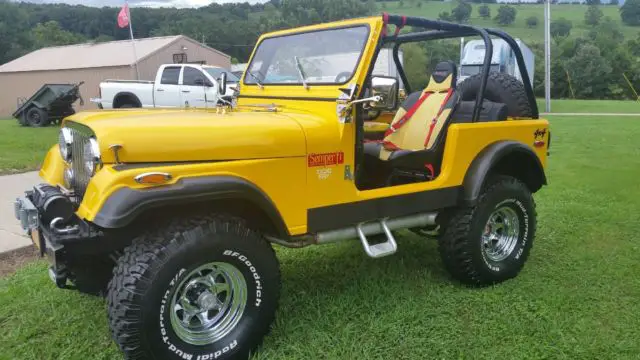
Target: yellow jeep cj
x,y
172,214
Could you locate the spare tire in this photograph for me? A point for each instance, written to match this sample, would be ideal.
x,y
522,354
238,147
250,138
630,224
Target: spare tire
x,y
501,88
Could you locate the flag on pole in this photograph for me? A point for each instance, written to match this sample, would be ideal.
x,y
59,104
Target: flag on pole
x,y
123,16
124,20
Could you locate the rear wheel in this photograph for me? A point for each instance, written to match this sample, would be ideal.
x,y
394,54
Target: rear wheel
x,y
206,287
37,117
489,243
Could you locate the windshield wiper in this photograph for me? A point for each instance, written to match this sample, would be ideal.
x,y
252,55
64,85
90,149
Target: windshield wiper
x,y
256,79
303,77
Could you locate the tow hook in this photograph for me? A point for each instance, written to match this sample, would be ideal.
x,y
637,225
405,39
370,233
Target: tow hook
x,y
58,277
62,231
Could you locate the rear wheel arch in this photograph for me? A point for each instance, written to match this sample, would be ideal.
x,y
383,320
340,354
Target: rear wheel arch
x,y
126,98
231,195
510,158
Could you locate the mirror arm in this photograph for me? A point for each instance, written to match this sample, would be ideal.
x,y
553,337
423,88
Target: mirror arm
x,y
375,99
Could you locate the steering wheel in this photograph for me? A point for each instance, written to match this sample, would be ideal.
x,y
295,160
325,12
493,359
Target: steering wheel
x,y
342,77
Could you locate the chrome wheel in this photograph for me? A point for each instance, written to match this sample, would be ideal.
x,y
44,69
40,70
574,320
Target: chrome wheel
x,y
501,234
208,303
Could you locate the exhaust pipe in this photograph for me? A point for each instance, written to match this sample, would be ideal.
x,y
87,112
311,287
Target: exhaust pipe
x,y
369,228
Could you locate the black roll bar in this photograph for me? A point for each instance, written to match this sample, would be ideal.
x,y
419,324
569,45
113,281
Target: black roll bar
x,y
401,21
445,30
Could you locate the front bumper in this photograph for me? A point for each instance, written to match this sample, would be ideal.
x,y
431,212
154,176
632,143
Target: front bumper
x,y
60,243
29,217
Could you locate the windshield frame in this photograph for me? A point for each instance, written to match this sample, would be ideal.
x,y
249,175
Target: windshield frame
x,y
358,62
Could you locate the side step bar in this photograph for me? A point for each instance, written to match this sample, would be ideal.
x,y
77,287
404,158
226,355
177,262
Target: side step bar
x,y
361,231
378,250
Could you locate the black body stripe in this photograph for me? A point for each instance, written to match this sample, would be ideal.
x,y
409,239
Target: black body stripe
x,y
343,215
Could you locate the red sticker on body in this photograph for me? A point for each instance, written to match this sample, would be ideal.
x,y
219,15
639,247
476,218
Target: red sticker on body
x,y
326,159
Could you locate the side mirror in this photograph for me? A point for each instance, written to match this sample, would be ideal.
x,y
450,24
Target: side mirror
x,y
387,89
222,83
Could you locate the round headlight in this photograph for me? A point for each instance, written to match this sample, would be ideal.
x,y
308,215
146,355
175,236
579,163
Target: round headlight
x,y
69,178
91,156
65,138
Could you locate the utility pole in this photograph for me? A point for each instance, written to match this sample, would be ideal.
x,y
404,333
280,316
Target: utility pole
x,y
547,55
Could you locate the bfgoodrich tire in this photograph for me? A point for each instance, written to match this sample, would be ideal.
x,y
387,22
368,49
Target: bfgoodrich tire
x,y
202,288
501,88
489,243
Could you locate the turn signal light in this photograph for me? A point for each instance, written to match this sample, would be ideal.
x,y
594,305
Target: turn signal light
x,y
153,178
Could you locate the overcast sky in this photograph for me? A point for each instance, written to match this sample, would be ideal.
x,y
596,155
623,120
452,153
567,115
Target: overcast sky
x,y
132,3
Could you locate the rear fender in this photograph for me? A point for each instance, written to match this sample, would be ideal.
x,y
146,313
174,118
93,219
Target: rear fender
x,y
507,158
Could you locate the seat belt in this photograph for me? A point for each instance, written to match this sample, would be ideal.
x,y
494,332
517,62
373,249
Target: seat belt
x,y
435,119
403,120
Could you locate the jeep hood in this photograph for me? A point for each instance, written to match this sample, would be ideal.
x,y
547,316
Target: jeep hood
x,y
193,135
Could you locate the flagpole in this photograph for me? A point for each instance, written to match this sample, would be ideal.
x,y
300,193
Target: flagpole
x,y
133,44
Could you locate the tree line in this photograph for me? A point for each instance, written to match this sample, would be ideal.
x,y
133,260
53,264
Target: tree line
x,y
232,28
600,64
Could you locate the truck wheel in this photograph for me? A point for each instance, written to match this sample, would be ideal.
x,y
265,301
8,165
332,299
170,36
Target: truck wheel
x,y
489,243
501,88
37,117
205,287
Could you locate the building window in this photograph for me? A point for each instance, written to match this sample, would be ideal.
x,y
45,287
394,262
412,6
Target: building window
x,y
179,58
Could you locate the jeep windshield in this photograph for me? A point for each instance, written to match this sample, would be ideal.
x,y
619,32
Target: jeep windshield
x,y
325,57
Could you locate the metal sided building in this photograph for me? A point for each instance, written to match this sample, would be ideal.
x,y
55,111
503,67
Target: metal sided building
x,y
95,62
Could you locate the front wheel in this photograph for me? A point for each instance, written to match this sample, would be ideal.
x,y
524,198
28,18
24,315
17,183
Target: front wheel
x,y
489,243
202,288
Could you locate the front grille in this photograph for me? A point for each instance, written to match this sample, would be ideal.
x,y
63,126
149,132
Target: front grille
x,y
80,136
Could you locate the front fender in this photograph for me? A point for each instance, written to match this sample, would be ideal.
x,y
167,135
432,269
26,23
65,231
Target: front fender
x,y
126,204
511,158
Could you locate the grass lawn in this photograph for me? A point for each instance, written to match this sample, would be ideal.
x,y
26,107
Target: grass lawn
x,y
592,106
574,13
23,148
577,297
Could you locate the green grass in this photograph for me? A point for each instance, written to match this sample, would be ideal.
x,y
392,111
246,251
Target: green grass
x,y
23,148
592,106
577,297
519,29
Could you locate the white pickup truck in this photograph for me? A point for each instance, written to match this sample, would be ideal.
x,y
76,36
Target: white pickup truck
x,y
176,85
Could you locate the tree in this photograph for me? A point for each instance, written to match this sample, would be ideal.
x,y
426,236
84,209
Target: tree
x,y
630,12
593,2
589,72
561,27
506,15
51,34
445,16
484,11
532,21
415,68
614,2
593,15
462,12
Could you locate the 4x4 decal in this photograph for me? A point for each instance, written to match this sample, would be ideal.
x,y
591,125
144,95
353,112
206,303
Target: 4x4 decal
x,y
540,133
